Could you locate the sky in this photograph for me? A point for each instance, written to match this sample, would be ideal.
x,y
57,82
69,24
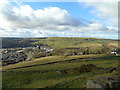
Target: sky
x,y
59,19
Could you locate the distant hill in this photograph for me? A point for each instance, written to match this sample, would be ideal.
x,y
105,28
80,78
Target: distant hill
x,y
18,42
60,42
63,67
70,42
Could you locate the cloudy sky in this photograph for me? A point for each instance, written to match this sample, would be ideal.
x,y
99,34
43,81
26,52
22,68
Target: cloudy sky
x,y
59,19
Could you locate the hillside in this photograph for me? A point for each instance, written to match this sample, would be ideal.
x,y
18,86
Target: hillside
x,y
60,62
58,42
17,42
66,42
59,71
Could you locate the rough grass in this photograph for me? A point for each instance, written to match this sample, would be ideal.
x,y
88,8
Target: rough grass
x,y
33,79
44,72
72,64
45,76
49,59
66,42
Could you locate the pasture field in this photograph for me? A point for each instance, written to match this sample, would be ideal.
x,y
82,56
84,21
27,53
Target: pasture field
x,y
69,42
58,71
65,66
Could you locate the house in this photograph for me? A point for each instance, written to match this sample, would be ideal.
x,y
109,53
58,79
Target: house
x,y
114,53
79,53
38,47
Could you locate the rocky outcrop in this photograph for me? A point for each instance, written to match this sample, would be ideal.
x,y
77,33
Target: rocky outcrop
x,y
81,69
92,84
104,83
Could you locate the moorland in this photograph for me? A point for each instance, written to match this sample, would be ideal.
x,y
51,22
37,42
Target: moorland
x,y
60,62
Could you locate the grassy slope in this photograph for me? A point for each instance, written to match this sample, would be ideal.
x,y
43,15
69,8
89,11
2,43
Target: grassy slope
x,y
64,42
38,75
49,59
32,77
59,42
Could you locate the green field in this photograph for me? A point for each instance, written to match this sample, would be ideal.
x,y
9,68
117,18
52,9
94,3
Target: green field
x,y
63,67
45,72
67,42
60,42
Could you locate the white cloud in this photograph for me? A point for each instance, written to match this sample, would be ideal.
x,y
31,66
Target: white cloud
x,y
106,9
23,21
112,28
99,0
26,17
96,26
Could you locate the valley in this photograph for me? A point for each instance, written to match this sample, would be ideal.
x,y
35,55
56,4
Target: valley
x,y
61,63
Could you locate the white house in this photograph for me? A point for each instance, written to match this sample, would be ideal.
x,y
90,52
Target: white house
x,y
114,53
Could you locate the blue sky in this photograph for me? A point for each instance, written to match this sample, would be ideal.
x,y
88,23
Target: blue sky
x,y
59,19
76,9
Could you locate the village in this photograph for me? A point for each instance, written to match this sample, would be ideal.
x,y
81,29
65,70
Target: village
x,y
15,55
